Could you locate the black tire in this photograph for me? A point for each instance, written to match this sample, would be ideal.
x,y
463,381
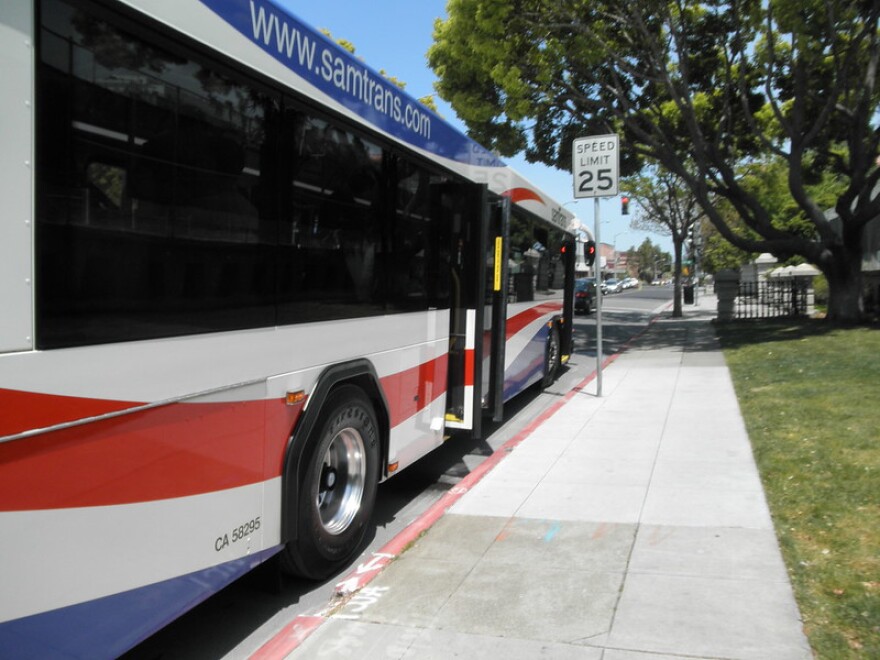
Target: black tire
x,y
552,357
337,487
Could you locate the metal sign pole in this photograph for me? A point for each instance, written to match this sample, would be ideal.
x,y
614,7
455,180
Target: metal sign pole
x,y
598,263
595,163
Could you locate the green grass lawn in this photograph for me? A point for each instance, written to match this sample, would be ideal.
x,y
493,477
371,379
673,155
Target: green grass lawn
x,y
810,396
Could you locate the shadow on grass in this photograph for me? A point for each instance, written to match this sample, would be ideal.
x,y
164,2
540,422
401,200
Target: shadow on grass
x,y
738,333
741,333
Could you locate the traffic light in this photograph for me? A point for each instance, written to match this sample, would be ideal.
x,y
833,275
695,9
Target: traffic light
x,y
693,240
590,252
624,206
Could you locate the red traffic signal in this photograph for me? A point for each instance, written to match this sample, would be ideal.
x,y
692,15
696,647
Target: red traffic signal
x,y
590,252
624,206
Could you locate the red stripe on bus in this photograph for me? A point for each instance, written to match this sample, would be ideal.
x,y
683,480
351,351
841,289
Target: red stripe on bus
x,y
411,390
20,409
177,450
517,195
521,320
469,367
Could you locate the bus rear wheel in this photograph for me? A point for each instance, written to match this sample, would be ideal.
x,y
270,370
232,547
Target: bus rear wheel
x,y
337,489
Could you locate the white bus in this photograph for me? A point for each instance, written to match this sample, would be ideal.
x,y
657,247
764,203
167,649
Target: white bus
x,y
243,280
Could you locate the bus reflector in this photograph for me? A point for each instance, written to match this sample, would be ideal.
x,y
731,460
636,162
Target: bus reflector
x,y
392,467
295,398
499,244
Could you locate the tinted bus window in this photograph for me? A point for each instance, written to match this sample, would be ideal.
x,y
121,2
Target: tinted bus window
x,y
176,196
419,260
330,262
151,165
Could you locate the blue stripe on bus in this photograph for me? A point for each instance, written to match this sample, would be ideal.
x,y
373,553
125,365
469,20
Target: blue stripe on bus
x,y
527,368
333,70
107,627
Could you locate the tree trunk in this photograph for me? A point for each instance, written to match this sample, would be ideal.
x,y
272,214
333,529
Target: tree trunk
x,y
676,270
843,270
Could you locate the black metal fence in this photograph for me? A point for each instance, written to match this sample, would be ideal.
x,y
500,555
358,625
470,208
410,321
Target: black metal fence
x,y
779,298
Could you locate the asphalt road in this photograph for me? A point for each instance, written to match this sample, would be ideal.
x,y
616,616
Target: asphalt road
x,y
240,619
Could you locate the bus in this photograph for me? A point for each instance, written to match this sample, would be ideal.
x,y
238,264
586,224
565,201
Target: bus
x,y
243,280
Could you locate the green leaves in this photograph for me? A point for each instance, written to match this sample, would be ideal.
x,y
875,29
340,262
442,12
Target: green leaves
x,y
717,84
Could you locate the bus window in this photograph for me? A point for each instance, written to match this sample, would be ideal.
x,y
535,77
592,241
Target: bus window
x,y
147,221
522,255
331,235
419,250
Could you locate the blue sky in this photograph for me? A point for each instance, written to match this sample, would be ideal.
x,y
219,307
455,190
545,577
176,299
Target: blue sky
x,y
395,35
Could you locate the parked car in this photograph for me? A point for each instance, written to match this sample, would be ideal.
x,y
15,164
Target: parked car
x,y
630,283
584,294
612,286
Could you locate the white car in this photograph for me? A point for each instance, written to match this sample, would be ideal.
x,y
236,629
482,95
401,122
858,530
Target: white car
x,y
613,286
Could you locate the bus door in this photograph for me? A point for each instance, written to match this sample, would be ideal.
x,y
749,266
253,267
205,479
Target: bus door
x,y
495,308
478,304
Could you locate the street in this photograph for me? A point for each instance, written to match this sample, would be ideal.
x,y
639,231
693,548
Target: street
x,y
239,620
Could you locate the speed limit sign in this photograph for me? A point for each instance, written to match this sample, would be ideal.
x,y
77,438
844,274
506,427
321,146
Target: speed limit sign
x,y
595,162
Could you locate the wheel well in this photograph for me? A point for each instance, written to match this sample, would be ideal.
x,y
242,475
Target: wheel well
x,y
362,375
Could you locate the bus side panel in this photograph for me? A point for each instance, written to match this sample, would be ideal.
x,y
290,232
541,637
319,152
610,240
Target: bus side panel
x,y
146,538
120,504
145,514
417,423
16,164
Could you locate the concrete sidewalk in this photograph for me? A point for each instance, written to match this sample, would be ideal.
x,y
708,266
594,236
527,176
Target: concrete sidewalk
x,y
627,527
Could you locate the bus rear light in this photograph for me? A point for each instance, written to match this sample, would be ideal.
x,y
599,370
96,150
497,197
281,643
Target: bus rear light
x,y
295,398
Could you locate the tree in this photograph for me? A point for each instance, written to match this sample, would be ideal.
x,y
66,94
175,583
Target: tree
x,y
652,260
668,208
718,253
704,89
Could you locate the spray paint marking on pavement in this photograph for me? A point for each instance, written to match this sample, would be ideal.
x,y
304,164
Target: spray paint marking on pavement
x,y
552,532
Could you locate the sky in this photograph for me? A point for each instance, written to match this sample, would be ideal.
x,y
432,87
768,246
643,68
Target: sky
x,y
395,35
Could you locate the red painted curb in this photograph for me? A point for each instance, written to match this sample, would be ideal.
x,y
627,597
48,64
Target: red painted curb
x,y
289,638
